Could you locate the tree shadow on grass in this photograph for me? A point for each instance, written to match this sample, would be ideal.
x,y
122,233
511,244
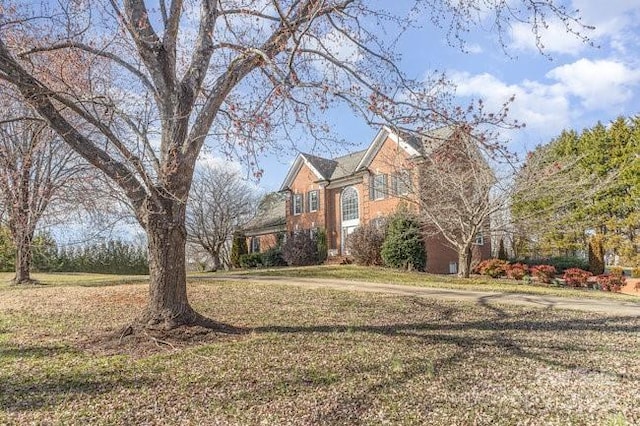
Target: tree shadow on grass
x,y
502,333
11,352
26,393
496,332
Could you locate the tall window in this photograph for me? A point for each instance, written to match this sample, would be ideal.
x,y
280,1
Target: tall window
x,y
255,245
350,204
378,189
297,204
479,239
313,200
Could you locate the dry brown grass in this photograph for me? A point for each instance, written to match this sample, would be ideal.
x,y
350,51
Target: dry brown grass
x,y
311,357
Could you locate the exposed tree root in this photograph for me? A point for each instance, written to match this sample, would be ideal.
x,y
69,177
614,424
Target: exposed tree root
x,y
171,332
25,281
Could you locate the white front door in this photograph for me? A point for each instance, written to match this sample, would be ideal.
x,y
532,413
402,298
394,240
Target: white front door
x,y
346,231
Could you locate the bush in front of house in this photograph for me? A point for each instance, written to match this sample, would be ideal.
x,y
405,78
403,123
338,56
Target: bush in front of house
x,y
611,282
273,257
365,244
403,246
635,272
544,273
561,263
238,248
517,271
250,260
494,268
300,249
576,277
322,245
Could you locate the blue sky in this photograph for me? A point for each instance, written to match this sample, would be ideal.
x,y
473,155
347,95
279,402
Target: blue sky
x,y
573,87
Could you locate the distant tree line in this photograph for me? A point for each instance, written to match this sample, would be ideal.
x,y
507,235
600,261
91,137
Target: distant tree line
x,y
107,257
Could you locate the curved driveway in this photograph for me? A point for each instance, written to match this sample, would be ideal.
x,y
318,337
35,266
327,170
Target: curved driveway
x,y
607,306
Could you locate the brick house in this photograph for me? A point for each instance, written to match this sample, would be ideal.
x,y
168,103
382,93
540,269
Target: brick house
x,y
270,222
342,193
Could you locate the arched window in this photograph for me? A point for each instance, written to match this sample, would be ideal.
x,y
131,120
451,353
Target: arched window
x,y
350,204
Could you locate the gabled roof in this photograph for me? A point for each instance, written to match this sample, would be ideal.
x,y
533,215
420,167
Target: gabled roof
x,y
331,169
271,213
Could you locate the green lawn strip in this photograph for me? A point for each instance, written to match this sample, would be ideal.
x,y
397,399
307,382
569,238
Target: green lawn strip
x,y
316,357
391,276
74,279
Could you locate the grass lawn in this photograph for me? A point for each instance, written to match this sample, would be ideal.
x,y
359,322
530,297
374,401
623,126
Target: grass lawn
x,y
75,278
387,275
311,357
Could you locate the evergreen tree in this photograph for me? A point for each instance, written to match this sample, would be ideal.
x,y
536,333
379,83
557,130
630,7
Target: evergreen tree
x,y
502,252
238,248
596,255
403,246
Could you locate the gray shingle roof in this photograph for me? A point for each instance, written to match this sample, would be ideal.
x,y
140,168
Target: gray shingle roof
x,y
271,212
324,166
346,164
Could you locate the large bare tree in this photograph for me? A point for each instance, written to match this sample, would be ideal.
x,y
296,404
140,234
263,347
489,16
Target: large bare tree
x,y
454,194
36,171
136,89
220,202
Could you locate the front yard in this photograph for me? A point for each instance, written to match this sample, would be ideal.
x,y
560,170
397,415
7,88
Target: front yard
x,y
311,357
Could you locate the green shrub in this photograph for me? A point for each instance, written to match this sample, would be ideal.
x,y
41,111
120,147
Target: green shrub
x,y
300,249
635,272
502,252
251,260
108,257
365,244
321,245
403,246
273,257
238,248
561,263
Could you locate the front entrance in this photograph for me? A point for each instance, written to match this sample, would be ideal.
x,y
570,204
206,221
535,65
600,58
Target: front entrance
x,y
346,231
350,216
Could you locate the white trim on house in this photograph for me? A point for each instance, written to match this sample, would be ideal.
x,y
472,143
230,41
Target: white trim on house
x,y
295,169
382,135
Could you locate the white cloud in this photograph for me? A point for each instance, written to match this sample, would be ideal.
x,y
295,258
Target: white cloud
x,y
599,84
550,106
612,19
540,106
554,38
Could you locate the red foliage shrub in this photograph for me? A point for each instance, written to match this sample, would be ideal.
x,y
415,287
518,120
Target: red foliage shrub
x,y
492,267
611,282
543,273
576,277
517,271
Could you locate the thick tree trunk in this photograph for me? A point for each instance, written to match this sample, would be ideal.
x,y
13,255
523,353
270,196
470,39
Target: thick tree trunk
x,y
168,306
464,262
215,260
23,257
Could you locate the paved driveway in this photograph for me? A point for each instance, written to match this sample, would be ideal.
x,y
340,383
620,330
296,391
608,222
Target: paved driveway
x,y
608,306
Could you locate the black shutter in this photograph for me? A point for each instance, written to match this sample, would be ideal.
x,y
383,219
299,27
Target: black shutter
x,y
372,187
